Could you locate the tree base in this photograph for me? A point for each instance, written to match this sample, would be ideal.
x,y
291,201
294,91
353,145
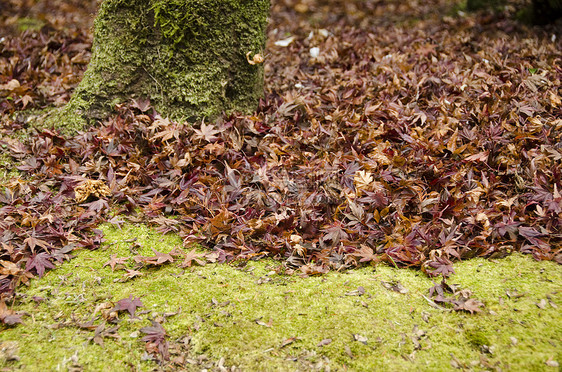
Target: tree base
x,y
538,12
189,57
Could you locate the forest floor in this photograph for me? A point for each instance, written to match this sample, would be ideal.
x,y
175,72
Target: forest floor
x,y
393,204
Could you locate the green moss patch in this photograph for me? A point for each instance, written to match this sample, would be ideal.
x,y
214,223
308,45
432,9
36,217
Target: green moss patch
x,y
246,315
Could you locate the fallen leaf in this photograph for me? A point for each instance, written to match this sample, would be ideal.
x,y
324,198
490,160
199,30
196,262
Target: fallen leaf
x,y
288,341
324,342
115,261
193,256
129,304
156,336
360,338
395,286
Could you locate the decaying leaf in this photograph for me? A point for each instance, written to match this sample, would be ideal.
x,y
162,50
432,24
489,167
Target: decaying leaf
x,y
193,256
8,316
156,339
88,188
324,342
360,338
255,60
395,286
288,341
129,304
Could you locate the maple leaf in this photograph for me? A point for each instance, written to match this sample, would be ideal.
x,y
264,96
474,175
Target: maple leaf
x,y
156,335
101,332
289,341
33,242
366,254
193,256
114,261
377,198
219,223
395,286
132,273
362,179
471,305
63,254
481,156
334,234
141,104
141,259
439,289
529,232
9,268
98,205
441,266
159,258
207,132
39,262
129,304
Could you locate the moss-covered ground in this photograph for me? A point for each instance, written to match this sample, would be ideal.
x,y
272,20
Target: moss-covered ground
x,y
244,315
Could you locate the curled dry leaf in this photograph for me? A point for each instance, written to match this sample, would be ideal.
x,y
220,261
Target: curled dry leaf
x,y
89,188
255,60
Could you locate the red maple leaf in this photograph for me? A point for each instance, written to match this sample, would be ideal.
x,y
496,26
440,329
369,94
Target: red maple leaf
x,y
159,258
130,304
156,336
193,256
114,261
39,262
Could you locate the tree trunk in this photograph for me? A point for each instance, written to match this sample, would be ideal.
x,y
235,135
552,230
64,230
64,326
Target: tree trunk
x,y
539,11
193,59
546,11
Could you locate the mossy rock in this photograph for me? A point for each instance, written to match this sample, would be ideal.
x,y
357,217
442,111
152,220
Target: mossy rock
x,y
189,57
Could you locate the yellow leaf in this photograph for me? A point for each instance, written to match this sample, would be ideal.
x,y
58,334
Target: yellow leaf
x,y
362,179
452,144
555,100
10,85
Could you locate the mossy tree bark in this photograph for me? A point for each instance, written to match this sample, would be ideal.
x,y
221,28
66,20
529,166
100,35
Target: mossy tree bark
x,y
189,57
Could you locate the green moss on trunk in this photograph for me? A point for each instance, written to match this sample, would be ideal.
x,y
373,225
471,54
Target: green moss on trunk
x,y
187,56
